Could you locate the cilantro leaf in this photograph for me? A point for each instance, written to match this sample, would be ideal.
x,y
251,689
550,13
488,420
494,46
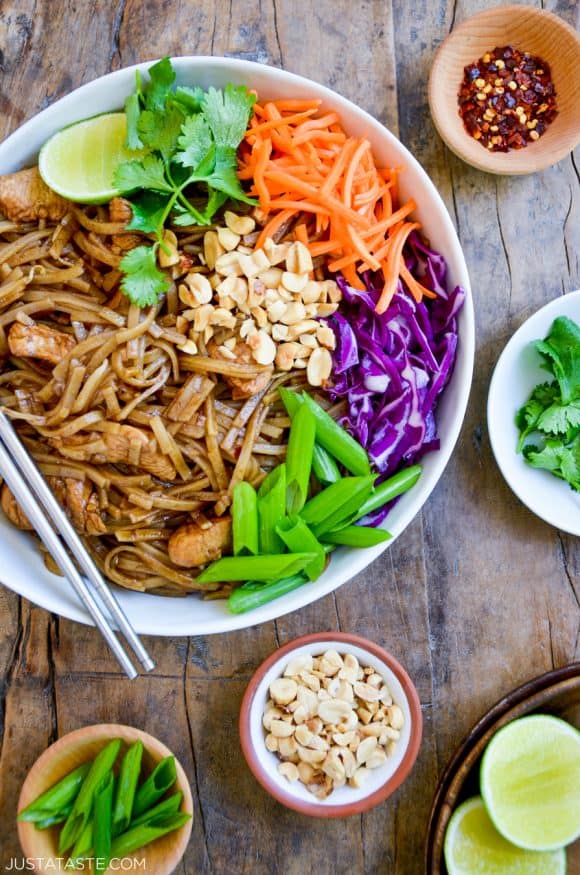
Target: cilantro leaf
x,y
148,212
561,460
143,282
228,113
133,111
159,130
561,351
195,141
161,78
547,457
184,217
225,176
558,418
148,172
528,415
190,138
570,464
216,200
189,99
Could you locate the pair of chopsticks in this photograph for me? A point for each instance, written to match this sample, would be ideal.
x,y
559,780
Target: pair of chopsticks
x,y
42,509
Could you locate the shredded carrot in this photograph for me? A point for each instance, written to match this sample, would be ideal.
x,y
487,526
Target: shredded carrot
x,y
352,168
264,150
324,247
416,288
392,265
301,233
304,166
297,105
278,122
272,226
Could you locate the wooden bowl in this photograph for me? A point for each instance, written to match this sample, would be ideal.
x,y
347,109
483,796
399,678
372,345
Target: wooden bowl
x,y
160,857
558,693
530,30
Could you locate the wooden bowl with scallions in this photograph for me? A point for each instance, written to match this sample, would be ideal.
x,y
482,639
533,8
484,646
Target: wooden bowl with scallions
x,y
116,775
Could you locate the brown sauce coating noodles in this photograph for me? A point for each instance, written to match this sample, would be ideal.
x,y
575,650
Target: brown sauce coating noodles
x,y
138,437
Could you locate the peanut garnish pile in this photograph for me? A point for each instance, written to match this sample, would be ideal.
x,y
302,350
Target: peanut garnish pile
x,y
330,720
264,297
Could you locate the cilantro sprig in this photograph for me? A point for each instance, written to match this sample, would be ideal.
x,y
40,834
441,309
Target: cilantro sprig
x,y
551,415
186,142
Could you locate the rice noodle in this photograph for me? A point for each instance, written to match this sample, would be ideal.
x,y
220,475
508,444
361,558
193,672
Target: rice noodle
x,y
155,435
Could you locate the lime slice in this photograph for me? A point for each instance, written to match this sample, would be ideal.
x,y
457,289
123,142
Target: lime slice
x,y
79,161
530,782
473,846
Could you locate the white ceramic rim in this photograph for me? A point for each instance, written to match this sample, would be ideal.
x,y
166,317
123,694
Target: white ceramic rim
x,y
516,373
346,796
169,616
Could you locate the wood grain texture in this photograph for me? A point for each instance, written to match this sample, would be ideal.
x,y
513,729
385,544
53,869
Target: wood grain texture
x,y
476,597
81,747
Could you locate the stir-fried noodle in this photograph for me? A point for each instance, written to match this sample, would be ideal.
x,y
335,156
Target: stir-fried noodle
x,y
137,432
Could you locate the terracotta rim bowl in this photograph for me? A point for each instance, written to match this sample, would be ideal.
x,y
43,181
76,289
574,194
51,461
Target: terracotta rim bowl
x,y
344,801
161,857
554,692
530,30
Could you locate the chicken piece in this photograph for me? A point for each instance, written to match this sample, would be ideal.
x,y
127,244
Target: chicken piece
x,y
79,501
82,507
191,545
77,498
125,242
120,210
131,446
39,342
25,197
127,445
13,510
243,388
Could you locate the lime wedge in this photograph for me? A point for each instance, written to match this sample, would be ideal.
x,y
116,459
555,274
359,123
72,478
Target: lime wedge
x,y
473,846
530,782
79,161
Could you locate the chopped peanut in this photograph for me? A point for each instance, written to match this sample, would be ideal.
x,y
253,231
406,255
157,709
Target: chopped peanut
x,y
323,719
265,297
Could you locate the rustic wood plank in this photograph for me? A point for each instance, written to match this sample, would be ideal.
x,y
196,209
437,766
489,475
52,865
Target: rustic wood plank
x,y
81,650
155,704
29,718
237,656
41,62
477,594
516,593
388,604
241,821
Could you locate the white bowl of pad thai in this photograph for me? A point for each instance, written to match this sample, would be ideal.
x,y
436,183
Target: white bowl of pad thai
x,y
265,316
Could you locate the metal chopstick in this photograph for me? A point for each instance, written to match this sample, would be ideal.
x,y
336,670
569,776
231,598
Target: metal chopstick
x,y
33,476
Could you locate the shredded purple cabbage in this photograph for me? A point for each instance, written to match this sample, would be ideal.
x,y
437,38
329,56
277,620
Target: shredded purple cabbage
x,y
392,368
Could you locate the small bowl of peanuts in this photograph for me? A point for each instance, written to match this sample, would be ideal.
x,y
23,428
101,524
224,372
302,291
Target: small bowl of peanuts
x,y
330,724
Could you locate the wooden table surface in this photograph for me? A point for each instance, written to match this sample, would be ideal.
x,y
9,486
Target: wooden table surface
x,y
475,597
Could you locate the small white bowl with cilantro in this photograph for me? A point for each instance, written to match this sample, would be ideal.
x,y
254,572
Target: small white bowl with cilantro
x,y
533,413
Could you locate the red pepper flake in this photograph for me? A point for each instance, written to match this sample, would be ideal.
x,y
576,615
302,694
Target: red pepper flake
x,y
507,99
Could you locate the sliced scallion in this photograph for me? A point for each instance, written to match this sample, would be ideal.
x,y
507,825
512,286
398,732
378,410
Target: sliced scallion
x,y
155,786
245,519
297,536
299,458
253,595
391,488
324,466
271,567
357,536
271,509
